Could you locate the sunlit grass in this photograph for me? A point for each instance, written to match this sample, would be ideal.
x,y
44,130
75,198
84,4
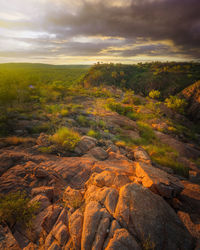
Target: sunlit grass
x,y
65,138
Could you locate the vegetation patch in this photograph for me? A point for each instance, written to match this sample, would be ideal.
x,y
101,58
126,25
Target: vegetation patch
x,y
94,134
154,94
65,138
83,121
15,207
146,132
118,107
176,103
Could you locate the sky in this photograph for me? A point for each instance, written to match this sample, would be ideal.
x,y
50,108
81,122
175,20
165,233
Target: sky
x,y
89,31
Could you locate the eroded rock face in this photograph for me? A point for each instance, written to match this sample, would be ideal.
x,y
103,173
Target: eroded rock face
x,y
95,226
148,216
158,181
7,240
92,204
75,228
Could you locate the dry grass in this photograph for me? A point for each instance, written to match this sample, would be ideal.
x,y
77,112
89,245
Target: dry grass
x,y
15,140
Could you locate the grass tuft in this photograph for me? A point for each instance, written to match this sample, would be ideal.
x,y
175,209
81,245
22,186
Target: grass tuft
x,y
65,138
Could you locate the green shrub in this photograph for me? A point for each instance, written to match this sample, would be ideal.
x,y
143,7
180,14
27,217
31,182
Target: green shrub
x,y
101,124
176,103
65,138
138,101
64,112
94,134
53,109
82,120
76,107
154,94
133,116
15,207
128,97
119,108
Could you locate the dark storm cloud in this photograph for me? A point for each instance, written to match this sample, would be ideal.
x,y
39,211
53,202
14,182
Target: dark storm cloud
x,y
175,20
118,28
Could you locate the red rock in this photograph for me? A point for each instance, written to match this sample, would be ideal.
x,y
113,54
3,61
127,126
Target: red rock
x,y
86,143
7,240
141,155
148,216
93,215
48,191
194,229
122,239
51,217
42,201
99,153
158,181
75,228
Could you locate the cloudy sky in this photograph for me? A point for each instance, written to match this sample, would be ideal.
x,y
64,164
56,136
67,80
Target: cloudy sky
x,y
87,31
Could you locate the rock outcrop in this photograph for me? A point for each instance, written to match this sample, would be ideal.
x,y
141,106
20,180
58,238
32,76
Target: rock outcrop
x,y
108,203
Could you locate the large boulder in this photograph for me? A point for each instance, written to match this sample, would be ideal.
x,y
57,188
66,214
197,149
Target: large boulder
x,y
148,217
122,240
86,143
99,153
158,181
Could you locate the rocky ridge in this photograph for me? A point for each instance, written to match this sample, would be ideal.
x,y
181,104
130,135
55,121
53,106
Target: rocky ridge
x,y
93,202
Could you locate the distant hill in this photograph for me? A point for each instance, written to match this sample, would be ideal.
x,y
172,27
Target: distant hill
x,y
169,78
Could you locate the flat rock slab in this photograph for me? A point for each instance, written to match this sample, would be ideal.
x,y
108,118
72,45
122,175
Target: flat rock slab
x,y
121,166
158,181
